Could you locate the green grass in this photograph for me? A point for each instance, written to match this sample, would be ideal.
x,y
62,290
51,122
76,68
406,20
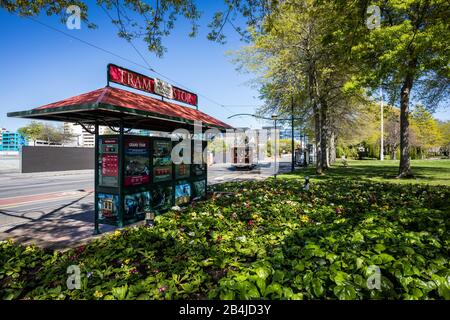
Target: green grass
x,y
432,172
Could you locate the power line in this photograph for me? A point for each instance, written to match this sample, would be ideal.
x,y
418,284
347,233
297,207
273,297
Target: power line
x,y
148,67
129,40
242,106
86,42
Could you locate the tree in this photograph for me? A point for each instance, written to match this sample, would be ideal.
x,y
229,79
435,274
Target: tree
x,y
408,54
45,131
153,21
33,131
426,130
444,128
295,56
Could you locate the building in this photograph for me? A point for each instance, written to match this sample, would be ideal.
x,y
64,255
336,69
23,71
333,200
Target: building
x,y
11,141
80,137
1,134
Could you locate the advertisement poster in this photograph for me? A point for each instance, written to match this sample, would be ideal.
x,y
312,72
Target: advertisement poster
x,y
162,174
183,193
162,162
199,188
137,162
136,204
182,171
162,198
109,159
108,207
161,152
199,170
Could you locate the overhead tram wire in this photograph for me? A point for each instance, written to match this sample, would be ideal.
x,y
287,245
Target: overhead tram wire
x,y
129,40
158,73
148,67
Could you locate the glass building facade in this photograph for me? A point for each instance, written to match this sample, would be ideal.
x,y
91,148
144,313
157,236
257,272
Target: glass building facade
x,y
11,141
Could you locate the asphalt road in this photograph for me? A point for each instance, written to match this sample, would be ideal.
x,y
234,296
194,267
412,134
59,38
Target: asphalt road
x,y
28,197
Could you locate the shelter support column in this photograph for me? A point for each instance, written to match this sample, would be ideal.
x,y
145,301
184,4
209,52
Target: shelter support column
x,y
96,173
121,174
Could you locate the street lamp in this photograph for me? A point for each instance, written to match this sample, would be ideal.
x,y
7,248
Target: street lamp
x,y
275,118
381,125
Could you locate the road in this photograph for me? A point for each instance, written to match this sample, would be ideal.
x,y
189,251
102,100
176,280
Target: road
x,y
56,208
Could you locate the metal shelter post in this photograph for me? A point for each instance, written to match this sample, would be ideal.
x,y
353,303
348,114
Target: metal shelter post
x,y
121,174
96,173
292,136
276,151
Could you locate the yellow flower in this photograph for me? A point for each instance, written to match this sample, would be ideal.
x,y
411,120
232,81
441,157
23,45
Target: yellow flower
x,y
29,249
127,261
98,294
116,234
304,218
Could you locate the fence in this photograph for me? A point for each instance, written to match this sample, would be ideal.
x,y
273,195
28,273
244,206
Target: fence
x,y
43,159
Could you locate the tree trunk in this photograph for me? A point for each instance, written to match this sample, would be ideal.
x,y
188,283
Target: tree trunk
x,y
405,165
318,136
332,148
393,154
324,133
312,87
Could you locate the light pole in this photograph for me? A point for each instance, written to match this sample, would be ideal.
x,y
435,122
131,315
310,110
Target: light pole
x,y
275,118
382,125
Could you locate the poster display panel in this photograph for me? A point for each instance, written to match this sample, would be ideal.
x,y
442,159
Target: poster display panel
x,y
108,207
182,170
137,162
162,163
109,162
136,204
183,193
199,188
161,197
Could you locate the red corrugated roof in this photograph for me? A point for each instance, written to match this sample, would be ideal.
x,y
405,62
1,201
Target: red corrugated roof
x,y
127,99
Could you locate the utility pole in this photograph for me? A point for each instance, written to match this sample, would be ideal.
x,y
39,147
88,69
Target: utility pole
x,y
275,118
292,129
382,125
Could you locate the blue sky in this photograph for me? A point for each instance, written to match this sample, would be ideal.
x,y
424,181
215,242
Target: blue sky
x,y
39,65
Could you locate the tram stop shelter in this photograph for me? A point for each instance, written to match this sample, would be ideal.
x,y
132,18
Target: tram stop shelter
x,y
134,174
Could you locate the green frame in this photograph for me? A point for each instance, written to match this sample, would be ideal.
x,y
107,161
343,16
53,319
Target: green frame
x,y
121,191
47,113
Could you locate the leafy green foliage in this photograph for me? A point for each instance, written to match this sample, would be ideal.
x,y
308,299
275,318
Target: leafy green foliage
x,y
267,240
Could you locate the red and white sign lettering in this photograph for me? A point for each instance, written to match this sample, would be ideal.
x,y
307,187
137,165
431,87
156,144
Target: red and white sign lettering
x,y
156,86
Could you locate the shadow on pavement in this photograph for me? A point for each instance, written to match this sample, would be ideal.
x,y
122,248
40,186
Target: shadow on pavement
x,y
57,230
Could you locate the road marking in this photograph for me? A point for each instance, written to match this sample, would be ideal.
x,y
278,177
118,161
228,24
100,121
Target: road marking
x,y
12,202
46,184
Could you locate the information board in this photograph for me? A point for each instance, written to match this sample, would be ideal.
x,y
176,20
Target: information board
x,y
109,162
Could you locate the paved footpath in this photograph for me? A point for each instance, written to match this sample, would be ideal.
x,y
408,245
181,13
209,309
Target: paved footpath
x,y
56,209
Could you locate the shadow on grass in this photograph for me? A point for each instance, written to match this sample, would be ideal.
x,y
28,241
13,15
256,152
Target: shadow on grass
x,y
379,173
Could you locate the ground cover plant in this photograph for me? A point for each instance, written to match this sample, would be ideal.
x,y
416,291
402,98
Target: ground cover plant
x,y
259,240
